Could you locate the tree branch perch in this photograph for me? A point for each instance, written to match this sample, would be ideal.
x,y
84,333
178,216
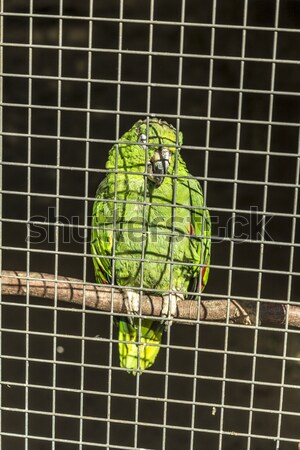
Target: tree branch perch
x,y
71,290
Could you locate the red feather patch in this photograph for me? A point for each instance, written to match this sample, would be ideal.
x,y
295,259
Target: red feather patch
x,y
191,229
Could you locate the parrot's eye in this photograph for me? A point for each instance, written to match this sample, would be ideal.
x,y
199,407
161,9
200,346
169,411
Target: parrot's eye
x,y
143,141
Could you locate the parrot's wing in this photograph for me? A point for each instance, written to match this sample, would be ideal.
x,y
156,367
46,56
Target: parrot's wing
x,y
102,235
132,356
201,226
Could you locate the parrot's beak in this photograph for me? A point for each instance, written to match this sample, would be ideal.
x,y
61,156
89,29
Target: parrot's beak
x,y
159,165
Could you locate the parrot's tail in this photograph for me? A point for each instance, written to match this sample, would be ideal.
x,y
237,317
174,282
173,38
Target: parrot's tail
x,y
139,346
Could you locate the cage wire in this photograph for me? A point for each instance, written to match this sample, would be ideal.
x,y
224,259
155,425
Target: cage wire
x,y
75,77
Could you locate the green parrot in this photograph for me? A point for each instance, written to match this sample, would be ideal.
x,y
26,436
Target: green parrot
x,y
150,231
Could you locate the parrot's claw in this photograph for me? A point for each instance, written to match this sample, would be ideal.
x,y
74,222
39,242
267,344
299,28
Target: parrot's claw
x,y
169,308
132,304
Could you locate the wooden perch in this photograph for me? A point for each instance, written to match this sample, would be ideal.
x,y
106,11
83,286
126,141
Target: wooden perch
x,y
71,290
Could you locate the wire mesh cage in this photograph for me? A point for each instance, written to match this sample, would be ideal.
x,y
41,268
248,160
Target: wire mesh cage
x,y
75,77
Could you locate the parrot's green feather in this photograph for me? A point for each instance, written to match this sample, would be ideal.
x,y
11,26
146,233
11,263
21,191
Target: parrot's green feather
x,y
143,354
158,235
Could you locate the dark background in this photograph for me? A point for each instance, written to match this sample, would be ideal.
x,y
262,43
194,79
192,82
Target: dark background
x,y
270,92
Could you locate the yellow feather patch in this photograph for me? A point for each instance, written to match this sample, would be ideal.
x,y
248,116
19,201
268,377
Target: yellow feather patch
x,y
138,349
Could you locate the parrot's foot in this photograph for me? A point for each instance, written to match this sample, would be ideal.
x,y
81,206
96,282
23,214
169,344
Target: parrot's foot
x,y
169,308
132,304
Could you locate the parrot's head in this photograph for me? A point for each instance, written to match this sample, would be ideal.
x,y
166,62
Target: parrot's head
x,y
157,144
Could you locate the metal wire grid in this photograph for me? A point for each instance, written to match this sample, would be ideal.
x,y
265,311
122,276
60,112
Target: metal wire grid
x,y
136,394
